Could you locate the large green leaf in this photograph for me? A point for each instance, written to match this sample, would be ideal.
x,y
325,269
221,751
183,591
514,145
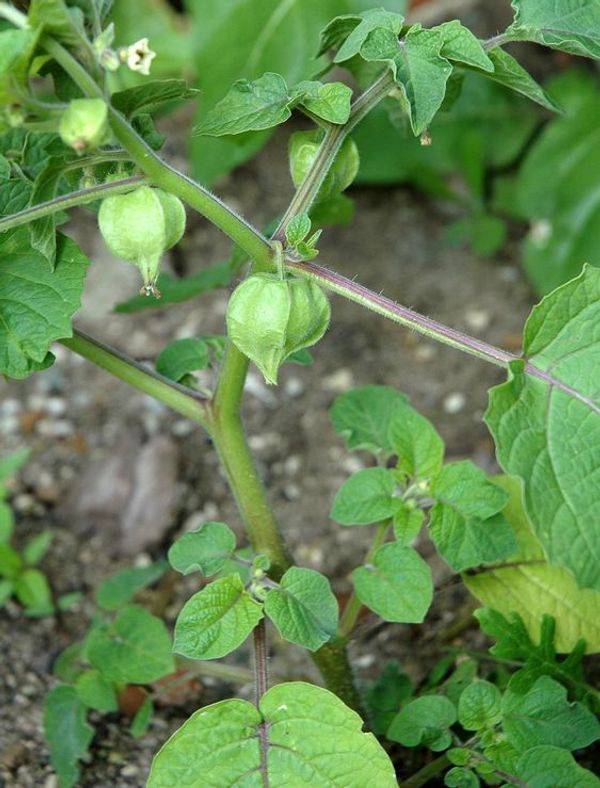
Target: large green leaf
x,y
546,424
299,735
553,767
544,716
67,732
397,585
510,73
366,497
557,187
466,524
570,25
36,303
529,587
135,647
303,609
216,620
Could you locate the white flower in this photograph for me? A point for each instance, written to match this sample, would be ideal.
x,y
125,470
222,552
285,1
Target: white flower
x,y
138,56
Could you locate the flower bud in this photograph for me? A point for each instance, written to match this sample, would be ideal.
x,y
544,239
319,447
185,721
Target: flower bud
x,y
84,124
269,318
303,149
139,226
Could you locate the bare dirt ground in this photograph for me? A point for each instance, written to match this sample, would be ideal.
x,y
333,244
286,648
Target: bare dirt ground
x,y
117,476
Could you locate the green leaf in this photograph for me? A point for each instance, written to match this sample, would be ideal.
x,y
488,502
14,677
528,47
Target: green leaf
x,y
7,522
96,692
6,591
480,706
135,647
10,561
397,585
37,303
570,25
383,698
558,193
301,720
205,550
67,666
363,415
552,767
417,443
484,233
514,643
175,291
541,423
297,229
366,497
544,716
181,357
37,547
303,609
10,464
118,589
465,524
461,46
151,96
532,588
42,232
33,592
363,25
57,19
407,523
67,732
510,73
141,721
424,721
330,101
249,106
216,620
461,778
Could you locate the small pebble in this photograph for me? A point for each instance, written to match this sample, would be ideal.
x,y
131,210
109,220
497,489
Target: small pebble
x,y
9,425
55,406
130,771
292,464
341,380
454,402
477,319
59,428
182,428
293,387
425,352
24,503
10,407
292,491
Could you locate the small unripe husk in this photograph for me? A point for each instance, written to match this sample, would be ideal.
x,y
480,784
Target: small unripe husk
x,y
269,318
303,149
84,124
140,226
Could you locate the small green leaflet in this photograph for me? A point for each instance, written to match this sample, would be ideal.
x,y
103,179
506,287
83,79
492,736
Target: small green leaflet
x,y
366,497
417,443
182,357
135,647
118,589
267,102
397,585
216,620
33,592
300,719
36,303
466,524
480,706
150,96
510,73
541,421
364,24
547,765
461,46
96,692
141,721
67,732
37,547
544,716
205,550
363,415
303,609
530,587
570,25
424,721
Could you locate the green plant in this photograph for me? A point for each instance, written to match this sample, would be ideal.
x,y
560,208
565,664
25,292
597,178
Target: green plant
x,y
545,419
19,575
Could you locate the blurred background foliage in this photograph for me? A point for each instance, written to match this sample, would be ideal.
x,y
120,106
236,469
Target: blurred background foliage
x,y
502,161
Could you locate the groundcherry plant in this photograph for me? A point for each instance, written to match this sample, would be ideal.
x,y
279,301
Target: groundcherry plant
x,y
526,544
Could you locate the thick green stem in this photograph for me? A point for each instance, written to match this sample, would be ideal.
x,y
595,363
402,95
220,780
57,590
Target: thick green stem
x,y
426,773
354,605
179,398
65,201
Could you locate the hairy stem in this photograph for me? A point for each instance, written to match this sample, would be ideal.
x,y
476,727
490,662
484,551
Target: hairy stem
x,y
179,398
70,200
354,605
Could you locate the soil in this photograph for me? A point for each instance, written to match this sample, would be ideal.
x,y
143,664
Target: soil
x,y
93,441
